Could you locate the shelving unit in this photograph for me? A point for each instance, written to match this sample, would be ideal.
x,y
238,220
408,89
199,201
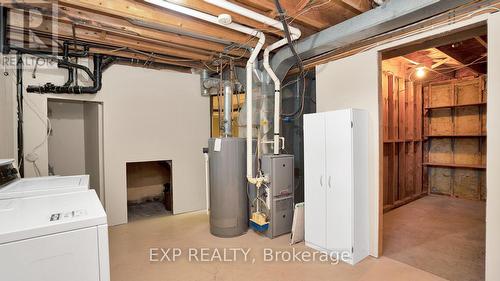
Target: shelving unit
x,y
455,137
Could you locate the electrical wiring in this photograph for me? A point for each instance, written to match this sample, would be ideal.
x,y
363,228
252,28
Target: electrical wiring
x,y
307,9
448,21
32,156
451,69
300,110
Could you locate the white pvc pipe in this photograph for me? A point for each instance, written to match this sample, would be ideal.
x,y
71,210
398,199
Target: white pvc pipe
x,y
294,35
252,15
249,101
249,66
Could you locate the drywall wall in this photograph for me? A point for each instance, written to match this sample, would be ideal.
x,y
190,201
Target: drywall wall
x,y
148,115
493,155
338,87
92,117
67,137
8,115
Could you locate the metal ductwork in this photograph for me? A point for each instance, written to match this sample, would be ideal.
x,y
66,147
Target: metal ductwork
x,y
390,16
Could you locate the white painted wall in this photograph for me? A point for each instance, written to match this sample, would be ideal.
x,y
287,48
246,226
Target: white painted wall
x,y
94,164
338,87
493,156
8,114
148,115
67,137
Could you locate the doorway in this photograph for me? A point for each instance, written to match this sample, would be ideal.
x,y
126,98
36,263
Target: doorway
x,y
434,154
75,144
149,189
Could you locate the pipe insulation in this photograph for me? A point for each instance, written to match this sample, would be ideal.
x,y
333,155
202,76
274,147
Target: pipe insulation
x,y
294,34
249,67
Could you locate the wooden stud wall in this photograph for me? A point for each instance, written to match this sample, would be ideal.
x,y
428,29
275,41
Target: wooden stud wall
x,y
455,137
403,143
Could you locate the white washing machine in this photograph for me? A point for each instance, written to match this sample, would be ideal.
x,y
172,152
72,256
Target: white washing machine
x,y
56,237
12,186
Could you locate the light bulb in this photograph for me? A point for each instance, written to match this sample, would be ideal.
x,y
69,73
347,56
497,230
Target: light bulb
x,y
420,72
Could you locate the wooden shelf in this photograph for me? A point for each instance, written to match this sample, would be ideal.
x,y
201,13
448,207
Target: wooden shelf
x,y
454,105
401,140
450,165
455,136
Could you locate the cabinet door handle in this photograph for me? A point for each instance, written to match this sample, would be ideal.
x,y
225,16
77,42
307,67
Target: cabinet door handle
x,y
321,180
330,181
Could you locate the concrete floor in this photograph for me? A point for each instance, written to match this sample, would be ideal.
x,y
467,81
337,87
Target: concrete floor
x,y
130,249
438,234
146,210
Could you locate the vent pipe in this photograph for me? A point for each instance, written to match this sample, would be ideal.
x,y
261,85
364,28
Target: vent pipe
x,y
249,69
294,35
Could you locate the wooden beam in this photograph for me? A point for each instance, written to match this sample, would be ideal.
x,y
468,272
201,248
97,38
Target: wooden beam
x,y
129,9
120,26
481,41
360,6
441,62
268,7
202,6
16,37
85,34
477,68
448,38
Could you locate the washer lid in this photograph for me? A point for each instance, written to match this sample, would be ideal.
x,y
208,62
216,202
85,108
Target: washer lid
x,y
29,217
44,185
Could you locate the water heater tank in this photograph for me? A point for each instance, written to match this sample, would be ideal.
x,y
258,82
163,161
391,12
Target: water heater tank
x,y
228,189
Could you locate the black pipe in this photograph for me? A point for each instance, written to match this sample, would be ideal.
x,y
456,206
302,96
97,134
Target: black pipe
x,y
20,136
83,54
60,62
4,43
97,85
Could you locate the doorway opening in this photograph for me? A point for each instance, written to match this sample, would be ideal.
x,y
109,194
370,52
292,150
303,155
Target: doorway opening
x,y
433,105
75,143
149,189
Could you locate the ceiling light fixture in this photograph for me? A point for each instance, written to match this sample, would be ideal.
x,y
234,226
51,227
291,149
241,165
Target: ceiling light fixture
x,y
420,71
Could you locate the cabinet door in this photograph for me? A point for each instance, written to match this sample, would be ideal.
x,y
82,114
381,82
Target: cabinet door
x,y
339,183
314,172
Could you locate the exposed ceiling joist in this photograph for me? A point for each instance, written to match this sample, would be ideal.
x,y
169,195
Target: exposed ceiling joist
x,y
360,6
129,9
268,6
65,31
121,26
442,39
481,41
203,6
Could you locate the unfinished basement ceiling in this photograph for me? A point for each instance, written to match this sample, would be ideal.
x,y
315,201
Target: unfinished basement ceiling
x,y
142,31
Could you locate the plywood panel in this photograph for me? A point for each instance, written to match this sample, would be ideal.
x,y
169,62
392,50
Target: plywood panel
x,y
440,151
440,94
483,120
466,184
484,145
441,122
483,191
468,92
467,121
440,180
467,151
